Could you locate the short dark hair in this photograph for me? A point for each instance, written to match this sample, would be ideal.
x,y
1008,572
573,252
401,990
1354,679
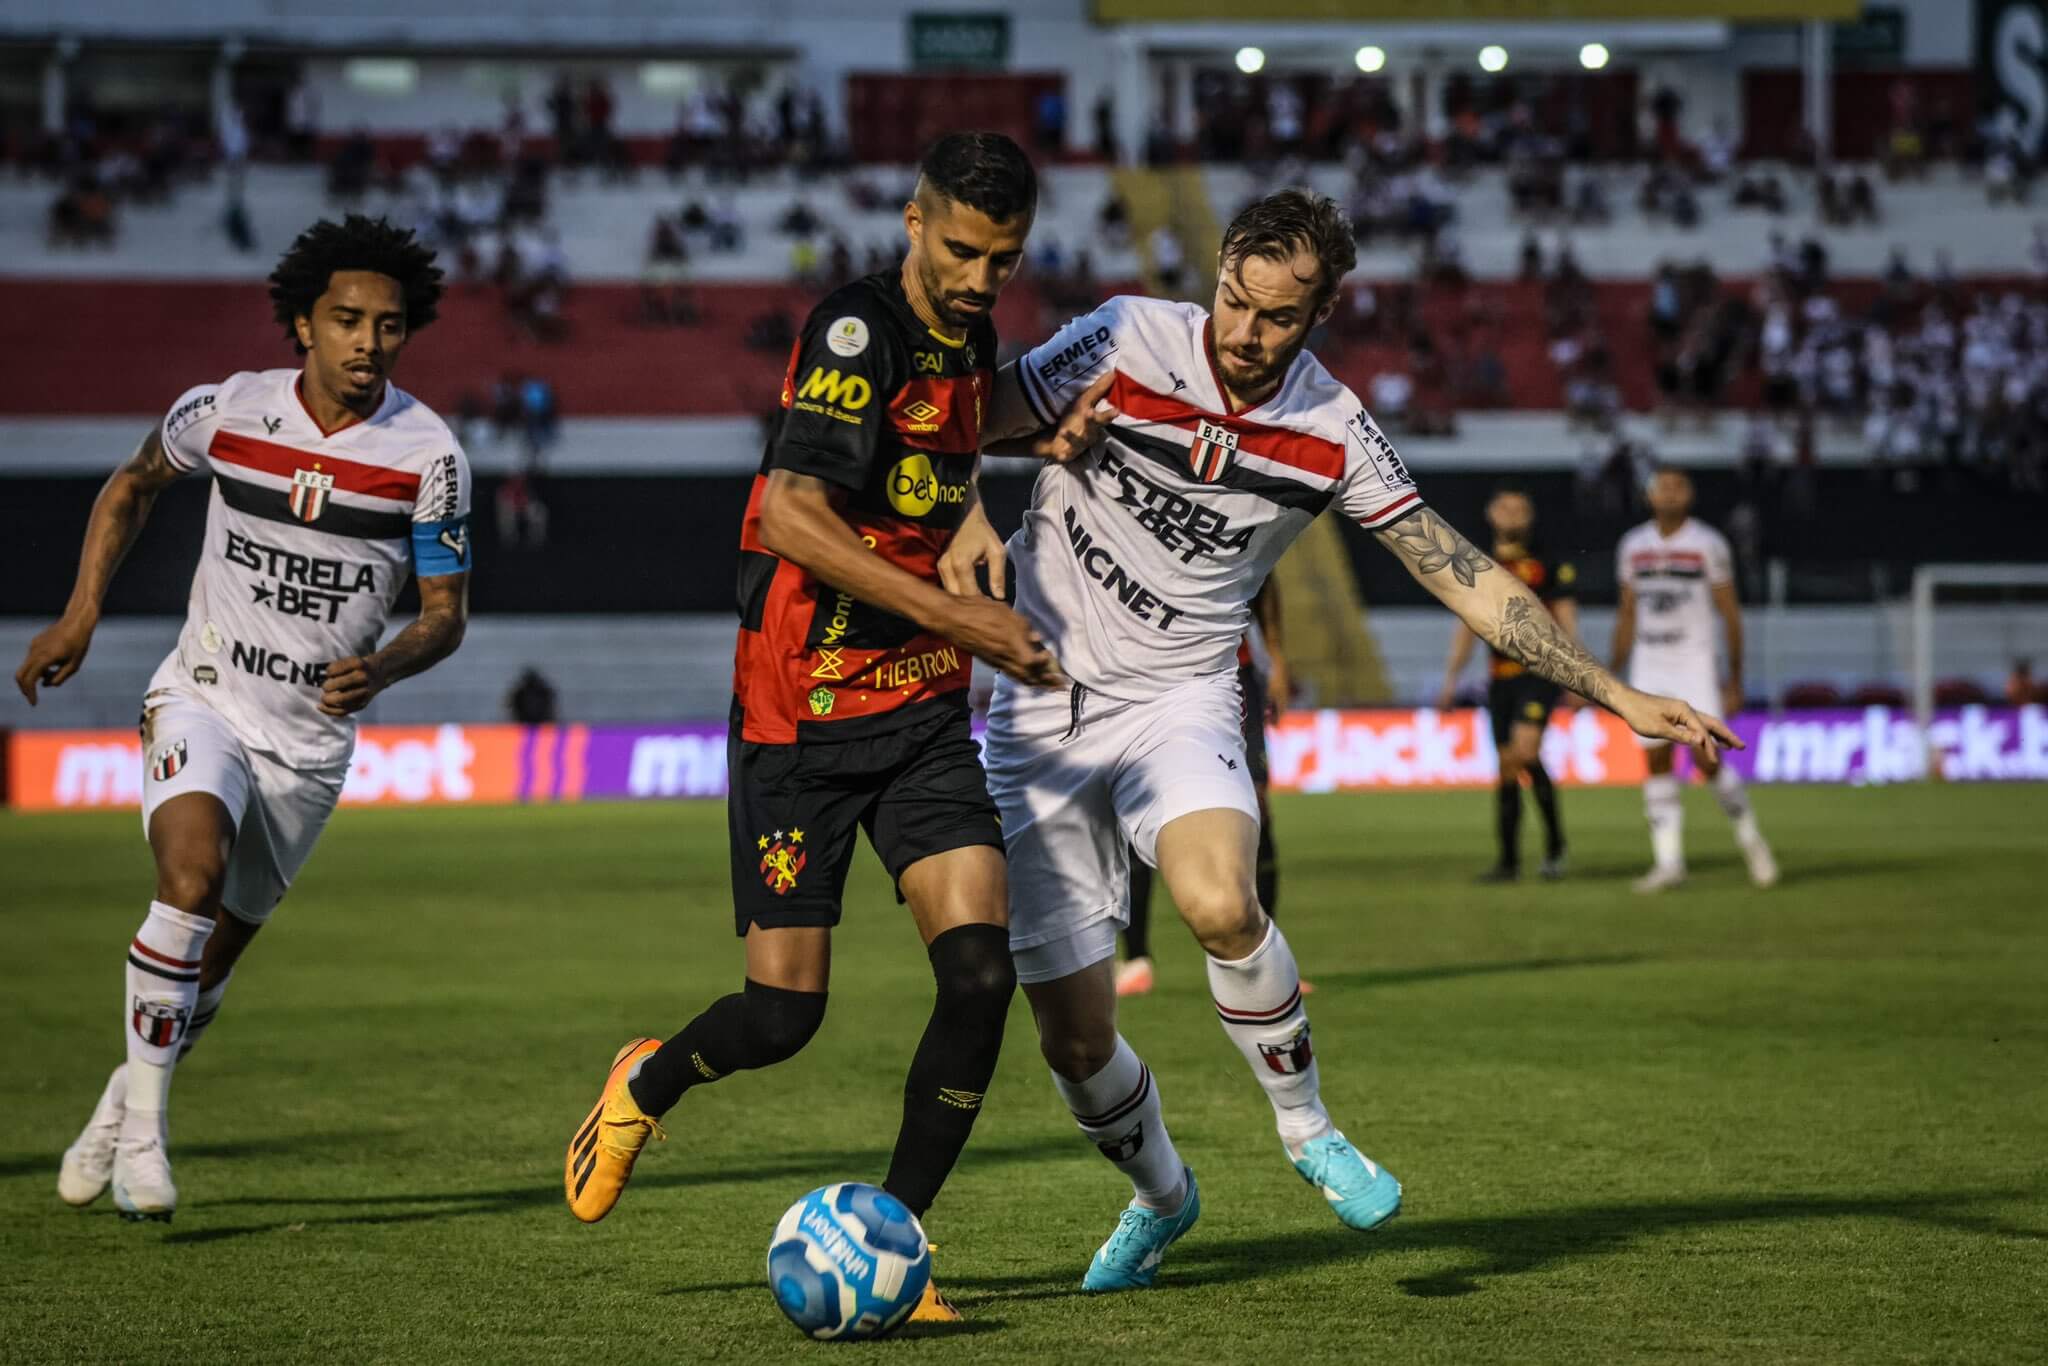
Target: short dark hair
x,y
1279,226
355,243
984,171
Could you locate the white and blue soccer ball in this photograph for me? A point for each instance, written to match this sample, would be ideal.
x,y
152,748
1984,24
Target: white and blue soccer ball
x,y
848,1262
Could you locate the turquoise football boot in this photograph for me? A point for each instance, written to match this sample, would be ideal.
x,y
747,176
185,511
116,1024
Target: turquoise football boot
x,y
1364,1194
1130,1259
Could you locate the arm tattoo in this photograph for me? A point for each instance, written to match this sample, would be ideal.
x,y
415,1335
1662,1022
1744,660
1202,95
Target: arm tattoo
x,y
1532,637
1433,546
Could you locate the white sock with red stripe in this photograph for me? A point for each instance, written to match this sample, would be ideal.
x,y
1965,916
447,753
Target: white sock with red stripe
x,y
163,990
1258,998
1118,1108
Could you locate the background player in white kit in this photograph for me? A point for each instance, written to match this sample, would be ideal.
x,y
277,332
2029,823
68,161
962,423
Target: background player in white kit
x,y
1137,561
331,487
1676,577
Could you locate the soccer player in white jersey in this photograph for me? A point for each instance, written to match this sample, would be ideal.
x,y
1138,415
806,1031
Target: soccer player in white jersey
x,y
1676,577
331,487
1137,561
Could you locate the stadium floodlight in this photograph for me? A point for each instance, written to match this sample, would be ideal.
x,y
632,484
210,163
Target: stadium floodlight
x,y
1251,60
1493,57
1593,56
1370,58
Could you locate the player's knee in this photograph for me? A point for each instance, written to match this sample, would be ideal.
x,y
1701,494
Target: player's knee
x,y
1225,916
1077,1055
781,1022
192,881
1511,766
975,974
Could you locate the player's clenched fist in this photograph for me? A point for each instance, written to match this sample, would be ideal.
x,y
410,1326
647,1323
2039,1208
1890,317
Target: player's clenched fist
x,y
988,630
349,685
53,656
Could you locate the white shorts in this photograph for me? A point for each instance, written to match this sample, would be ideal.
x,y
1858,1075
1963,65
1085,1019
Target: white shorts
x,y
1076,775
278,811
1694,679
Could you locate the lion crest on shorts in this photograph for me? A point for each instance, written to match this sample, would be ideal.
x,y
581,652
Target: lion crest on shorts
x,y
782,860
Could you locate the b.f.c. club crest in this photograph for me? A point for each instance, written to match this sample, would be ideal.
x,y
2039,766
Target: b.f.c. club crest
x,y
170,762
782,859
158,1023
1210,456
309,493
1292,1056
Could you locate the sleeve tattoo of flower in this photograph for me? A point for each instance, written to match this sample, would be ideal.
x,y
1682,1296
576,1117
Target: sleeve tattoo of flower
x,y
1434,547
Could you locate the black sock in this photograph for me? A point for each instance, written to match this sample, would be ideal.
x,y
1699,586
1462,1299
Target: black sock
x,y
757,1027
1545,793
954,1061
1266,872
1509,816
1138,935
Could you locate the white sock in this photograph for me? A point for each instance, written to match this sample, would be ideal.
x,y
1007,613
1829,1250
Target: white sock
x,y
163,988
1118,1108
1662,804
204,1007
1258,998
1734,799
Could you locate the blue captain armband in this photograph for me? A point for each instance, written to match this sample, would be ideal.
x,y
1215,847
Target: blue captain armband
x,y
440,547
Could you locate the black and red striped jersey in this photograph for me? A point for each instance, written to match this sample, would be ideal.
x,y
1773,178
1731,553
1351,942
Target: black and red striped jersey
x,y
888,411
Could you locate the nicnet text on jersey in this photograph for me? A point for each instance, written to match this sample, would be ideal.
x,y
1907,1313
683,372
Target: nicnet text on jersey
x,y
888,412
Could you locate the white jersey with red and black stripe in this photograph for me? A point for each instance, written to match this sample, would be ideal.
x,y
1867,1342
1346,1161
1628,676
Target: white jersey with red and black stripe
x,y
1673,578
1138,562
310,535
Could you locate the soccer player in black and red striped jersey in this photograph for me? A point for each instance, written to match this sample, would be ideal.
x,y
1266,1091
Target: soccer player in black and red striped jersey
x,y
1520,702
850,686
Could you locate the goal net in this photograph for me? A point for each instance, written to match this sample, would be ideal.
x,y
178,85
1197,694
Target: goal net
x,y
1979,636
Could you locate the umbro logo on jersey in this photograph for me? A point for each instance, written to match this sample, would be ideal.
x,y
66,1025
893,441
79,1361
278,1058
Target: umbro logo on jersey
x,y
1210,455
271,424
309,493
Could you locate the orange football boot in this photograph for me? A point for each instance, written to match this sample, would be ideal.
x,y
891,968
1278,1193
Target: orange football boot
x,y
602,1153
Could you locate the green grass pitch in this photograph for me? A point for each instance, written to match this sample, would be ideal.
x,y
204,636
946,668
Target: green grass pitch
x,y
1719,1126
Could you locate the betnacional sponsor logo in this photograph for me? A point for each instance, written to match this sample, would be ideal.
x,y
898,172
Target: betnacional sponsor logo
x,y
1309,751
915,487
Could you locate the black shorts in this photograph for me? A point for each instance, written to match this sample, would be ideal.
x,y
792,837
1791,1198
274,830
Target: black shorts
x,y
1252,689
794,808
1523,698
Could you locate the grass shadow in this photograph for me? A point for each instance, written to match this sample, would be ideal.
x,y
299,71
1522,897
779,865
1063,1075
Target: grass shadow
x,y
1508,1246
45,1164
518,1199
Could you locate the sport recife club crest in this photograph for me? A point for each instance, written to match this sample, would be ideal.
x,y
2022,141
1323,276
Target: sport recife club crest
x,y
782,858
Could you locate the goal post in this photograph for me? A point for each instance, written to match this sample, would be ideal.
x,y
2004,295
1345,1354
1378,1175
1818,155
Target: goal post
x,y
1928,581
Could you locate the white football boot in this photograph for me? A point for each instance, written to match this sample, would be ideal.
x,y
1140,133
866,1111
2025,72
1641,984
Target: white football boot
x,y
89,1161
142,1170
1660,879
1763,868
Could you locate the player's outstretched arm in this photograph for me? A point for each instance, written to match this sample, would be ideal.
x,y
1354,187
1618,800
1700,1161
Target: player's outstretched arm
x,y
430,638
1502,611
800,524
1012,428
118,513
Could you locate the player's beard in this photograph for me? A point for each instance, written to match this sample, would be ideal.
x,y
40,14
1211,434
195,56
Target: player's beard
x,y
942,301
1267,375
